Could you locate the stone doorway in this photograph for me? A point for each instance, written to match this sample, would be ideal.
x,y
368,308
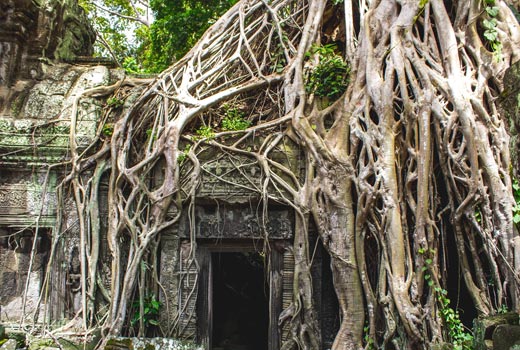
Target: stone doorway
x,y
239,301
239,296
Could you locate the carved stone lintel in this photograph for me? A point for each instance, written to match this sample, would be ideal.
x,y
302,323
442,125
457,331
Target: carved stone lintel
x,y
239,222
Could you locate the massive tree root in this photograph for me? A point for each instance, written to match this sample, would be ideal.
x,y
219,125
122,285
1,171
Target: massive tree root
x,y
408,156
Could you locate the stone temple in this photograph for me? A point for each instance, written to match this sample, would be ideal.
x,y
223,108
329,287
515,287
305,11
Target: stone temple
x,y
232,298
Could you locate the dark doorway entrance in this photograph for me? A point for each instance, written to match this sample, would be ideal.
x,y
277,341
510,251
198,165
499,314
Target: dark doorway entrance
x,y
240,301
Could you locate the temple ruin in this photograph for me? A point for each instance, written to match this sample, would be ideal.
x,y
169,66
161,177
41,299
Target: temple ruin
x,y
224,270
241,283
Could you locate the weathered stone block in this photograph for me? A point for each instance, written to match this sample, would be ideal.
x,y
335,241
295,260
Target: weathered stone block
x,y
442,346
510,103
485,326
19,337
150,344
9,345
505,337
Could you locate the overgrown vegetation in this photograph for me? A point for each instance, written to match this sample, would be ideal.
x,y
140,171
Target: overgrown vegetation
x,y
234,120
146,312
516,208
205,132
330,77
458,335
146,36
408,148
115,102
490,25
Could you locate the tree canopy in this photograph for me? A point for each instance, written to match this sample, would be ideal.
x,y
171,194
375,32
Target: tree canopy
x,y
179,24
149,35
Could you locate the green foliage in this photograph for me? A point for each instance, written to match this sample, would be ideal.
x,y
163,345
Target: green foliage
x,y
457,334
503,309
337,2
516,208
461,339
330,77
205,132
478,215
179,24
124,36
234,120
490,27
151,134
369,342
115,102
278,56
422,3
108,129
182,156
151,308
130,66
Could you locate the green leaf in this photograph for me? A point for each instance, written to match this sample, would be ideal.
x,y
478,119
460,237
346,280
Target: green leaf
x,y
491,35
153,322
489,24
492,11
516,218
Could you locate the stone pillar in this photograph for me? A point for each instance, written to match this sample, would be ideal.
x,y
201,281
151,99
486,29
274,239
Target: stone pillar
x,y
18,20
168,296
509,101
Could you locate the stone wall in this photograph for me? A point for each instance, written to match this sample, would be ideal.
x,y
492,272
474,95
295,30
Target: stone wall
x,y
36,31
510,103
41,77
42,73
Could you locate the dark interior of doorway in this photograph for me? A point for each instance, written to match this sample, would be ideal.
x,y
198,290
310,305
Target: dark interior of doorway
x,y
240,302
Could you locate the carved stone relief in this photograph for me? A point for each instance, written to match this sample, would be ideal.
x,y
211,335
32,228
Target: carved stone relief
x,y
227,221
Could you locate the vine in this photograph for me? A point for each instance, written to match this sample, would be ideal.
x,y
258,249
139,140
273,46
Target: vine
x,y
516,208
490,25
461,339
457,334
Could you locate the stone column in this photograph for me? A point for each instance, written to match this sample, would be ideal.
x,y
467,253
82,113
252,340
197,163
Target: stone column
x,y
168,296
18,20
